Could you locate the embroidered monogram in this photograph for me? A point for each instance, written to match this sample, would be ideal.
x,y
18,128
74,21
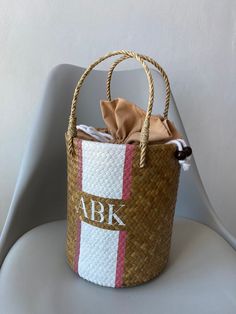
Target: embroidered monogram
x,y
96,211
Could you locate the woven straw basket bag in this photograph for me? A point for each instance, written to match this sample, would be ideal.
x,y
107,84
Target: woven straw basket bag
x,y
121,198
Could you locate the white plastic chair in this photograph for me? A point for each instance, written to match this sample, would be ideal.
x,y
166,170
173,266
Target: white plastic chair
x,y
35,277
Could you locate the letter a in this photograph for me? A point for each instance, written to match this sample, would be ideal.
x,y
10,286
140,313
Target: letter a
x,y
82,206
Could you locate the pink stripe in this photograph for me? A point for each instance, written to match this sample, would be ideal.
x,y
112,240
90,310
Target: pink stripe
x,y
77,249
127,176
120,259
80,164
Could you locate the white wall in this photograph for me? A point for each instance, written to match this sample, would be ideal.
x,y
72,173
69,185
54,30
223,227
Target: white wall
x,y
194,40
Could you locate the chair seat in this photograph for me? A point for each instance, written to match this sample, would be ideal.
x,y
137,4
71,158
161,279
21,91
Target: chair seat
x,y
200,277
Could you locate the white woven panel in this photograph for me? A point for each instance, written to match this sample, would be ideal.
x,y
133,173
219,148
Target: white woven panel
x,y
98,254
103,165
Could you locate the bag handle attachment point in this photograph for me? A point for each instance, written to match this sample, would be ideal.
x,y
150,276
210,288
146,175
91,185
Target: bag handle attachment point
x,y
72,131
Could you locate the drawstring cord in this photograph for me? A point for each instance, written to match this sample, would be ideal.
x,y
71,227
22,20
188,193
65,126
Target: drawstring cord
x,y
183,153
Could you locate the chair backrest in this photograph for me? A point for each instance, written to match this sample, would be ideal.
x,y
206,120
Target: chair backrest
x,y
40,192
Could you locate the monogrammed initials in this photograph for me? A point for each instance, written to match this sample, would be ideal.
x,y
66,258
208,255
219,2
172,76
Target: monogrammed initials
x,y
96,211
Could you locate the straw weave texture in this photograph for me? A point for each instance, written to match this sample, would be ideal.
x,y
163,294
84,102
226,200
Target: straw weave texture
x,y
140,181
148,213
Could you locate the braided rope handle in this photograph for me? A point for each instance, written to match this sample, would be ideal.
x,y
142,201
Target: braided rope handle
x,y
159,68
72,132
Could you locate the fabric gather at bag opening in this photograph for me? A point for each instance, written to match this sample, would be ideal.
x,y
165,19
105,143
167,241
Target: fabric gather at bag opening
x,y
124,121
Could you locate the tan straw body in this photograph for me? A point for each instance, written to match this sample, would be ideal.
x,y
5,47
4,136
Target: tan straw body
x,y
121,198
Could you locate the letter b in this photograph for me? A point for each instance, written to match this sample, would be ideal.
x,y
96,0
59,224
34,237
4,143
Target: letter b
x,y
99,211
